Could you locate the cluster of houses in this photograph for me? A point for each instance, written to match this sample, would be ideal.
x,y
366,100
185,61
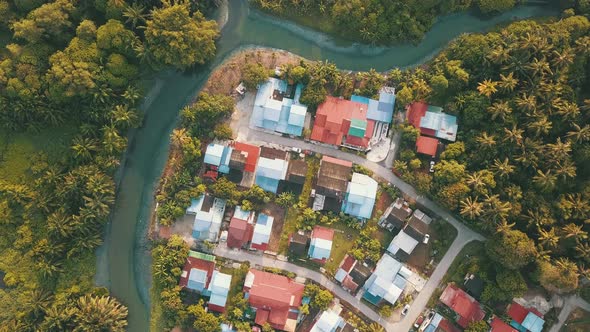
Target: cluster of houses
x,y
272,298
358,123
466,309
434,125
410,228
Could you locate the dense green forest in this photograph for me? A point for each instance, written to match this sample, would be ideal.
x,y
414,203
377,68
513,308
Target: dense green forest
x,y
377,21
519,168
74,69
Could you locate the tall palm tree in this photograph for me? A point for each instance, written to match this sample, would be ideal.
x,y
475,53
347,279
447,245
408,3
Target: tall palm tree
x,y
545,181
487,87
541,126
471,208
504,226
500,55
579,134
508,82
496,210
84,147
572,230
503,168
179,137
513,135
562,59
574,206
100,314
568,110
558,151
500,109
583,250
135,14
565,169
548,237
540,68
58,319
124,117
528,103
485,140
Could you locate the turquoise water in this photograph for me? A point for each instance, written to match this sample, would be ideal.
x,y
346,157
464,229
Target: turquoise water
x,y
123,264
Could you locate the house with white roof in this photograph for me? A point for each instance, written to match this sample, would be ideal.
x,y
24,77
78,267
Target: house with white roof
x,y
329,321
321,244
218,290
262,231
402,246
208,213
387,282
277,108
360,196
272,169
217,157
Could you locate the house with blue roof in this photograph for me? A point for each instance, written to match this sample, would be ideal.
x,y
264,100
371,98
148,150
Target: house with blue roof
x,y
271,169
321,244
379,110
277,108
388,281
360,196
207,212
329,321
217,157
218,290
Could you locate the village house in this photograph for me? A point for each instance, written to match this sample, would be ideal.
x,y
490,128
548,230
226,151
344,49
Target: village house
x,y
387,282
207,212
298,243
262,231
277,108
274,299
525,319
296,175
468,310
272,168
413,233
329,321
242,163
433,124
321,244
396,215
331,185
216,160
199,275
352,274
360,197
356,123
440,324
498,325
241,228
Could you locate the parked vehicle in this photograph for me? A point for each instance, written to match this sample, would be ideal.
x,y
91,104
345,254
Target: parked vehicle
x,y
405,309
419,321
432,163
426,239
296,150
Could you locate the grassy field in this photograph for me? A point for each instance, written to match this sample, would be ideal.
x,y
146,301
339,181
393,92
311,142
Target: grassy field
x,y
344,238
578,321
18,150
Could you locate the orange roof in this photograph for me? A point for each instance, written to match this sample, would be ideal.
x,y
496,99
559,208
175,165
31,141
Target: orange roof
x,y
463,304
415,112
499,325
253,152
426,145
196,263
320,232
332,122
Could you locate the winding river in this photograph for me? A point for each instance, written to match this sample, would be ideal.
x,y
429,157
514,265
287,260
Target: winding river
x,y
123,264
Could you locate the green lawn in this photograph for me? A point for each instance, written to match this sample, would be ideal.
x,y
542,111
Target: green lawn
x,y
289,227
344,238
443,235
456,272
18,150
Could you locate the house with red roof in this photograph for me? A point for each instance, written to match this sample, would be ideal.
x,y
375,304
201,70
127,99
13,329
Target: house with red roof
x,y
468,310
352,274
321,244
275,299
427,145
432,121
498,325
241,228
244,157
524,318
197,272
343,122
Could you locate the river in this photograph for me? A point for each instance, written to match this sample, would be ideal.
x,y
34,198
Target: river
x,y
123,263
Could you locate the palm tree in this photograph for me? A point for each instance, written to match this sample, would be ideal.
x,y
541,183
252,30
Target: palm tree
x,y
496,210
485,140
375,327
583,250
572,230
471,208
487,87
504,226
559,150
58,319
508,82
540,67
527,103
60,224
579,134
84,147
113,142
499,55
179,137
131,95
503,168
548,238
134,14
562,59
100,314
545,181
541,126
565,169
583,45
513,135
574,206
568,110
500,109
123,117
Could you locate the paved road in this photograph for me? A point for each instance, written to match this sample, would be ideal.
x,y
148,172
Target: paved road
x,y
570,304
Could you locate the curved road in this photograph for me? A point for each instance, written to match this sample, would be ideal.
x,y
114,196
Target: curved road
x,y
464,233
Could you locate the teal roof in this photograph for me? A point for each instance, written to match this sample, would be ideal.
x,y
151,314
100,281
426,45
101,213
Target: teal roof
x,y
357,127
533,323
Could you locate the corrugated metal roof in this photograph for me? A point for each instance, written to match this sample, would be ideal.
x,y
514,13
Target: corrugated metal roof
x,y
262,229
404,242
213,154
329,321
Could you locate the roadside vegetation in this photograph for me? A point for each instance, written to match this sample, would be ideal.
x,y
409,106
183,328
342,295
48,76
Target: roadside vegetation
x,y
376,22
69,92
